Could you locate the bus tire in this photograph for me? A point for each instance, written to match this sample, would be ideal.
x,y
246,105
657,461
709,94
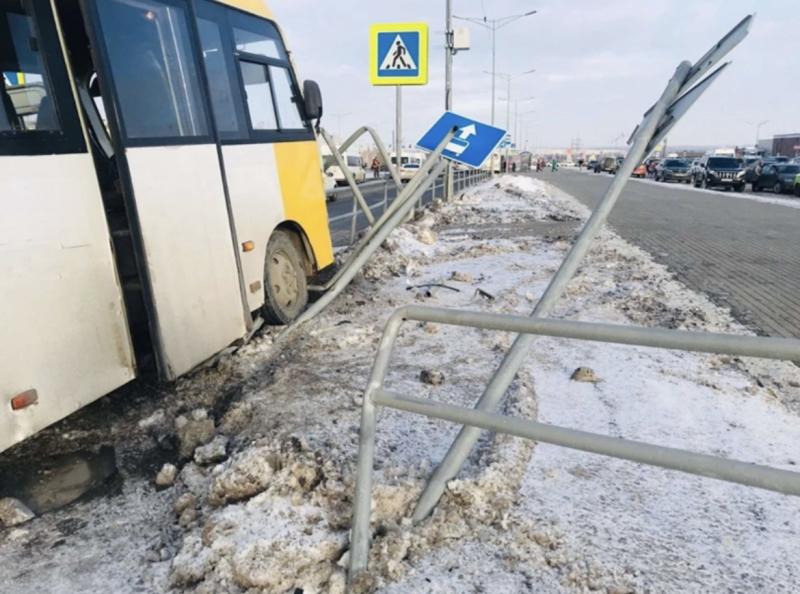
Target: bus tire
x,y
285,283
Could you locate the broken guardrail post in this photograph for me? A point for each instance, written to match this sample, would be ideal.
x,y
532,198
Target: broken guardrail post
x,y
431,170
676,99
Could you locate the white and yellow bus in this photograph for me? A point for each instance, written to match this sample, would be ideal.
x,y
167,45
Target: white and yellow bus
x,y
161,191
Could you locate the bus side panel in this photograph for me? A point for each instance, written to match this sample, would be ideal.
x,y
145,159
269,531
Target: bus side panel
x,y
180,202
255,192
63,330
304,195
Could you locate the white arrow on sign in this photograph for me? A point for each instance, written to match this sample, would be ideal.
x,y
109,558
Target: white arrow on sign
x,y
465,133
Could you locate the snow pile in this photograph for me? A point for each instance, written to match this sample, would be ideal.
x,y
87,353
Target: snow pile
x,y
510,511
275,515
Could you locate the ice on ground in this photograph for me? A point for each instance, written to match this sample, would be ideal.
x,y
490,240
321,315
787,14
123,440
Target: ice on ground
x,y
275,516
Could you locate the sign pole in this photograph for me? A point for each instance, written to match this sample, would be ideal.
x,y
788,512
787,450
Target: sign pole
x,y
398,126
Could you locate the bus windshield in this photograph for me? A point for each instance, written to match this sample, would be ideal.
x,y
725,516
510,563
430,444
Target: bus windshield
x,y
26,102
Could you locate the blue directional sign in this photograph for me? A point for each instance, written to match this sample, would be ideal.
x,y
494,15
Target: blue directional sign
x,y
472,144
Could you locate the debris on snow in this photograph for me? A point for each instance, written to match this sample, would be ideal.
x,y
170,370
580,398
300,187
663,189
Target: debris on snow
x,y
166,476
212,453
586,375
184,502
247,475
426,236
432,377
461,277
13,513
193,430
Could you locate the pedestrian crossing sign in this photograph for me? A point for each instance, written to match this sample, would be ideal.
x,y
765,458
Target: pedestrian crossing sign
x,y
399,54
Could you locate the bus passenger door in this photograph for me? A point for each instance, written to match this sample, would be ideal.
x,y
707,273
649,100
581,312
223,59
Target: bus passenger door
x,y
149,73
64,340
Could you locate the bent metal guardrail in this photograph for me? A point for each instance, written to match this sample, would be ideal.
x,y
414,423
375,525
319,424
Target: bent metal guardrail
x,y
678,97
680,94
734,471
461,180
397,212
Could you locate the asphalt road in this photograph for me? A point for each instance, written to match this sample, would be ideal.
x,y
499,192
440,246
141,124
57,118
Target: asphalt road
x,y
343,206
742,253
340,229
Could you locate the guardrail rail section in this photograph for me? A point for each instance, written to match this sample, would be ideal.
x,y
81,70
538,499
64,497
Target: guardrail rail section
x,y
683,89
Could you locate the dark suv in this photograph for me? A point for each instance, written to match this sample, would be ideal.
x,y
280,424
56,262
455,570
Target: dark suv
x,y
719,172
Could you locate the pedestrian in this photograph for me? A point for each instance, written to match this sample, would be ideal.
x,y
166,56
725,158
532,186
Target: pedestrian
x,y
376,168
398,57
554,165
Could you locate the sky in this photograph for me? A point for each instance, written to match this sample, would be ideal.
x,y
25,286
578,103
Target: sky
x,y
599,65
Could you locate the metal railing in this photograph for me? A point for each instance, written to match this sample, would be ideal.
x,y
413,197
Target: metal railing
x,y
681,92
461,181
745,473
394,215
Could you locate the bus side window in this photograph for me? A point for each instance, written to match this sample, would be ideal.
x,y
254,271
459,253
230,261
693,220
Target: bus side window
x,y
27,97
218,60
259,96
149,49
288,109
255,36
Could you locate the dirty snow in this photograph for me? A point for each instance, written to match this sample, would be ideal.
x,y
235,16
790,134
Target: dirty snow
x,y
274,517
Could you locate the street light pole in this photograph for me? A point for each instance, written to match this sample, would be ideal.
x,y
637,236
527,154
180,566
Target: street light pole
x,y
494,67
516,117
758,130
494,25
509,78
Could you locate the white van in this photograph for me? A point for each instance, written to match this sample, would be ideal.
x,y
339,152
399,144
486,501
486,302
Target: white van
x,y
354,164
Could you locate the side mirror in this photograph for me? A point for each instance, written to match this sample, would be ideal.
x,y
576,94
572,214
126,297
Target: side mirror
x,y
313,100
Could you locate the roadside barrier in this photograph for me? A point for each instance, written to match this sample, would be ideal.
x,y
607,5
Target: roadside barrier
x,y
462,180
682,91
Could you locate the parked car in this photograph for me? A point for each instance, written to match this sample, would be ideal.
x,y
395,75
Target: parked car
x,y
330,185
593,165
609,165
640,171
719,172
354,164
408,170
673,170
778,177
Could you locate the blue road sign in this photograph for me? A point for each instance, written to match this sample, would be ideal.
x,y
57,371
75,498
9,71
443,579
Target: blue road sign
x,y
13,78
399,54
472,144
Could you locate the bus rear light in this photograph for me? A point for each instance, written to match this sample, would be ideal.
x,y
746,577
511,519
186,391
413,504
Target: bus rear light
x,y
24,400
248,246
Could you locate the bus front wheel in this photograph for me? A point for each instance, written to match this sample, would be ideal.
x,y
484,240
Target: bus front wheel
x,y
285,284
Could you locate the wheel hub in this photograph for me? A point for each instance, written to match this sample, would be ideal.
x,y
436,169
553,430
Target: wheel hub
x,y
283,279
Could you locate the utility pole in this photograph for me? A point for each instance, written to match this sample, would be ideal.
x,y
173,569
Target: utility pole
x,y
398,126
494,25
449,50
